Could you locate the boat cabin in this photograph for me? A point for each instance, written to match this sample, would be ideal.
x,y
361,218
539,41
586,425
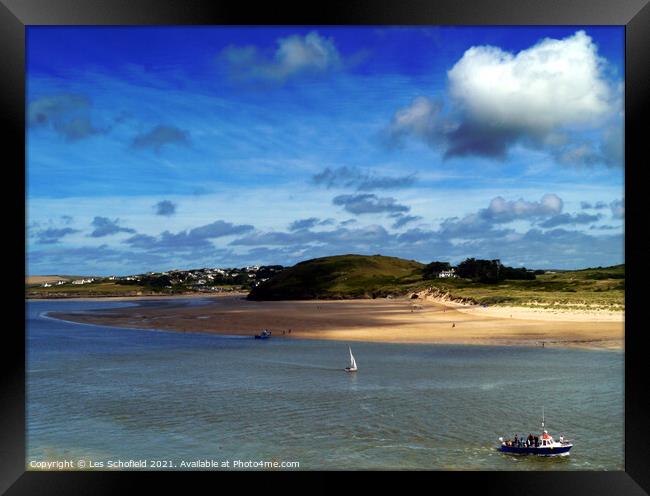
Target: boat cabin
x,y
546,440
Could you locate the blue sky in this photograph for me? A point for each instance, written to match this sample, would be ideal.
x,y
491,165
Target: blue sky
x,y
152,148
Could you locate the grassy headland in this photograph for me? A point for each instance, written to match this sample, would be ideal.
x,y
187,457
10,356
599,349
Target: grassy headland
x,y
356,276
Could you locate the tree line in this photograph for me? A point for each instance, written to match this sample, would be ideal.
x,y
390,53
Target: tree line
x,y
479,270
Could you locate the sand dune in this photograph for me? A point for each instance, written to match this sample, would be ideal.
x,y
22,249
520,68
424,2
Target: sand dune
x,y
396,320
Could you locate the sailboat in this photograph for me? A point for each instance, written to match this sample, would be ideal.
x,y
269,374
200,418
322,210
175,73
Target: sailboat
x,y
353,363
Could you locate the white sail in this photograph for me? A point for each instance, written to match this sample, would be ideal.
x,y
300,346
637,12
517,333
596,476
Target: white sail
x,y
353,363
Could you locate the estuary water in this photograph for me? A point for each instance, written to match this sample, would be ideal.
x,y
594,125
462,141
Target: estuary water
x,y
103,394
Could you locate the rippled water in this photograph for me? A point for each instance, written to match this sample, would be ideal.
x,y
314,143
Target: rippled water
x,y
103,393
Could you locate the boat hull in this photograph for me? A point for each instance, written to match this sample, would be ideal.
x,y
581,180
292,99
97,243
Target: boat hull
x,y
539,451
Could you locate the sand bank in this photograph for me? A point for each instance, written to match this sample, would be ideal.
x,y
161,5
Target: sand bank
x,y
382,320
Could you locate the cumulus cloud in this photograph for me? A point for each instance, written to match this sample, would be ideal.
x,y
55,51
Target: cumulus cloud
x,y
303,223
368,204
564,219
401,220
294,55
165,208
103,226
341,238
160,136
618,209
501,210
219,229
607,150
553,83
53,235
196,239
599,205
474,235
604,228
500,99
67,114
422,119
349,177
481,224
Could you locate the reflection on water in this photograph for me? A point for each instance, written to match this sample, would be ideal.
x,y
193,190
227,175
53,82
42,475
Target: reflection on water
x,y
107,393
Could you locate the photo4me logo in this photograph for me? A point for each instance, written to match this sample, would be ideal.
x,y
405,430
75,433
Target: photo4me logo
x,y
239,464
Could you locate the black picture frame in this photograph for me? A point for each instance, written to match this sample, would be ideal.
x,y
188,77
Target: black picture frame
x,y
15,15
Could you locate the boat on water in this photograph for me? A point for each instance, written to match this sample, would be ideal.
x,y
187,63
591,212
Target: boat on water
x,y
265,334
353,363
542,445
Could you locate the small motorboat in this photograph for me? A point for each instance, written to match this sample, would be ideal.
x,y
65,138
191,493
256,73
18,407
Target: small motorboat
x,y
353,363
543,445
265,334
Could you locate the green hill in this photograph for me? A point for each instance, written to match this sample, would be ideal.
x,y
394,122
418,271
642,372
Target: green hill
x,y
359,276
343,276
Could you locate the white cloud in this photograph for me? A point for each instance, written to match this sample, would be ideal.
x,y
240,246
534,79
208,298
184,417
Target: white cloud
x,y
540,97
294,55
552,84
297,53
501,210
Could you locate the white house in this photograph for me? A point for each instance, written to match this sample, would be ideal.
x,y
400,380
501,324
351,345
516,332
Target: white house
x,y
445,274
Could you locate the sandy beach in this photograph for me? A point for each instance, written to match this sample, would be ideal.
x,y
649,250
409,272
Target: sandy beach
x,y
397,320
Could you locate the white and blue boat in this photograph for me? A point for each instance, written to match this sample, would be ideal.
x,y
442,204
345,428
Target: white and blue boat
x,y
543,445
265,334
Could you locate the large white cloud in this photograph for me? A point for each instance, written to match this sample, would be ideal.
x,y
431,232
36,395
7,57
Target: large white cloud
x,y
539,97
554,83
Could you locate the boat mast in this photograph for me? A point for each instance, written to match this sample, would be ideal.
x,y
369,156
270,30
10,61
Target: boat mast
x,y
542,418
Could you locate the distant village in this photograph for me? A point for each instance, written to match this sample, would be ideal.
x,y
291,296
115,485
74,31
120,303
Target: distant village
x,y
202,280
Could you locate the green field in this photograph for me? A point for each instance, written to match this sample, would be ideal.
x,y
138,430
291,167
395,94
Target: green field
x,y
111,288
86,290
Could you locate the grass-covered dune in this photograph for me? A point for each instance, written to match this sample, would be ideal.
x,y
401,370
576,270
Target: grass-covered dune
x,y
597,288
343,276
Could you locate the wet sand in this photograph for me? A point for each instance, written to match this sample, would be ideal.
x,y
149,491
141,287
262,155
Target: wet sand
x,y
397,320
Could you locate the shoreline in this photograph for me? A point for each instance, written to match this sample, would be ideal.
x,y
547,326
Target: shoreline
x,y
583,345
397,320
143,297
